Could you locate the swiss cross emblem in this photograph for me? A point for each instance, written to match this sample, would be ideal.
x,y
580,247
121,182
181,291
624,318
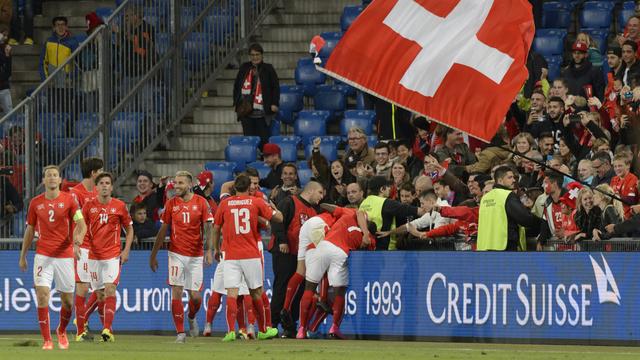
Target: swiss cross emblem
x,y
61,205
113,210
93,210
194,207
40,207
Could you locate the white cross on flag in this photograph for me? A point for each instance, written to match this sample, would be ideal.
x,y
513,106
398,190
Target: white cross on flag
x,y
459,62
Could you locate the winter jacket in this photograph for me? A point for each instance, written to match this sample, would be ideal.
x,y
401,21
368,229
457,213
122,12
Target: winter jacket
x,y
585,74
269,83
56,50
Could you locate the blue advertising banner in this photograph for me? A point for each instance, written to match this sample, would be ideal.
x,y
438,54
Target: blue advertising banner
x,y
570,296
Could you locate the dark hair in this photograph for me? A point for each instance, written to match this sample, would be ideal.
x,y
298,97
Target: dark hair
x,y
631,43
501,172
555,177
144,173
407,186
375,184
372,227
256,47
546,135
291,165
403,142
104,175
138,206
242,183
557,99
249,171
603,156
563,81
90,165
382,145
539,92
59,18
428,193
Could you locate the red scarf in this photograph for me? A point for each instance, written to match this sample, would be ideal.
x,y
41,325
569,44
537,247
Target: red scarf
x,y
246,90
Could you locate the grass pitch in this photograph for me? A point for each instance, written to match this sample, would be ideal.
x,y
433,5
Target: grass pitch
x,y
22,347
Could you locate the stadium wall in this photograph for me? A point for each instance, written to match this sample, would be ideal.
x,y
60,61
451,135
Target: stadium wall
x,y
564,297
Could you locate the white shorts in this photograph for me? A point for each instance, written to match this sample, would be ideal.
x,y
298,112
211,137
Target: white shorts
x,y
49,269
237,271
312,231
82,267
185,271
330,259
218,281
104,271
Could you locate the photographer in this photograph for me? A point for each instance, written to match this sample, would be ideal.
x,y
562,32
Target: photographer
x,y
587,120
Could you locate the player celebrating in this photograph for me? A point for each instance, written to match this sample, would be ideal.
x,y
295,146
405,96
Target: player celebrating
x,y
51,214
106,216
190,218
238,217
84,192
350,232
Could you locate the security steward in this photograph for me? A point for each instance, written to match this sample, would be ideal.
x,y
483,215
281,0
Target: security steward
x,y
503,217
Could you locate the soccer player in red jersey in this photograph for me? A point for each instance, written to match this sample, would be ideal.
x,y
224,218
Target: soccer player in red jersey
x,y
237,216
105,217
190,218
51,215
84,192
351,231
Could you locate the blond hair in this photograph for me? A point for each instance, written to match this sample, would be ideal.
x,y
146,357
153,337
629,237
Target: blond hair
x,y
616,204
50,167
185,174
581,194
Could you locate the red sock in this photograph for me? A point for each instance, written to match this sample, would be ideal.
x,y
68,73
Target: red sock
x,y
100,308
338,310
43,320
242,325
80,313
109,311
248,308
259,306
292,288
91,305
318,318
305,306
212,306
65,317
267,309
232,313
324,288
194,307
178,315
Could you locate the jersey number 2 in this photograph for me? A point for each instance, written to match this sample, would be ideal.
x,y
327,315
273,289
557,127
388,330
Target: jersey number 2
x,y
51,213
241,220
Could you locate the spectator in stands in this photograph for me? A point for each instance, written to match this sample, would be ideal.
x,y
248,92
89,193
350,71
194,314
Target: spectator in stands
x,y
593,52
256,94
6,104
630,66
551,123
383,211
272,157
430,219
18,26
148,194
496,153
423,139
536,112
406,156
455,149
143,226
355,194
521,144
559,88
546,143
359,150
567,157
407,196
587,216
57,49
204,187
586,172
442,189
625,183
319,165
340,177
601,163
383,164
614,60
580,72
531,175
552,210
632,31
538,70
289,186
612,210
397,177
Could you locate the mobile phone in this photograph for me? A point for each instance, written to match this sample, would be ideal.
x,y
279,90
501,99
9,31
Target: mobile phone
x,y
575,118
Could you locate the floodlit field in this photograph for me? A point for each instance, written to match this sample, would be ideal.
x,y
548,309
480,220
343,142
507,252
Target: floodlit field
x,y
126,347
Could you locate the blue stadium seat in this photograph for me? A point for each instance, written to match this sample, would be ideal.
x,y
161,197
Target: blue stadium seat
x,y
127,126
600,36
556,15
239,139
348,123
288,146
366,114
274,128
196,48
328,148
80,38
311,123
19,220
162,42
331,98
346,88
361,104
52,126
15,120
240,154
222,172
349,14
596,14
104,12
263,169
549,41
304,176
291,102
331,41
86,124
372,140
554,66
308,77
628,10
302,164
72,172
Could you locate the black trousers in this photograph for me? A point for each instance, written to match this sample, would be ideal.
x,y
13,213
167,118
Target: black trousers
x,y
284,266
256,127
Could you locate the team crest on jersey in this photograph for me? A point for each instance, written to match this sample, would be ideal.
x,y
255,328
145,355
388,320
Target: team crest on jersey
x,y
303,218
61,205
176,208
113,210
194,207
40,207
93,210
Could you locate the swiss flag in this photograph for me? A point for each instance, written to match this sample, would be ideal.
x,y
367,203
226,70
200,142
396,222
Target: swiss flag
x,y
459,62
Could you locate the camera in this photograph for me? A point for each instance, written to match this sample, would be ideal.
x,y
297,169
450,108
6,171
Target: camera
x,y
574,118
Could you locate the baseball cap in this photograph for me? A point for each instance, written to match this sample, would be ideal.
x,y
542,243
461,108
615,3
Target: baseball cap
x,y
204,178
270,149
614,51
580,46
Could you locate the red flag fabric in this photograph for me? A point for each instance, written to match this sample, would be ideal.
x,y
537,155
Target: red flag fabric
x,y
459,62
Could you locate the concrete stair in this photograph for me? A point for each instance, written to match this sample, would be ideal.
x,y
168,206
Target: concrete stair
x,y
285,36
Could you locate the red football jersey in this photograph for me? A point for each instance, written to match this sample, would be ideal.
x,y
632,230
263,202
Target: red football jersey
x,y
52,219
104,222
330,218
627,189
187,220
82,196
346,234
238,218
